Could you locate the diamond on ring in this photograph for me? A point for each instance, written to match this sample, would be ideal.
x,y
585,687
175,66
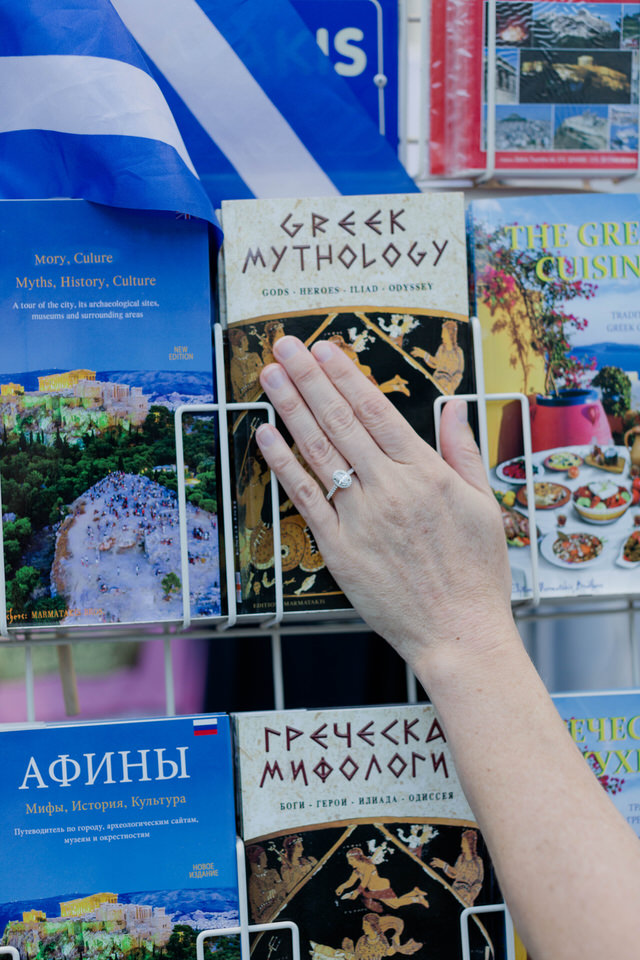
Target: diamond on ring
x,y
341,480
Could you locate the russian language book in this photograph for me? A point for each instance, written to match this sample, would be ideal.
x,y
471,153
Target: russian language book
x,y
356,828
564,80
605,726
384,277
556,287
105,318
118,839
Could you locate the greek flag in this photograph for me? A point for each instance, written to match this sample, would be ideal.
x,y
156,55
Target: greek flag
x,y
177,105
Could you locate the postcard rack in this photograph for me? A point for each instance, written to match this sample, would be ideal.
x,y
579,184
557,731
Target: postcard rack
x,y
418,132
276,624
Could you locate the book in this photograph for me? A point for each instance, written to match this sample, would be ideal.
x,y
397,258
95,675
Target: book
x,y
384,277
118,838
356,828
556,282
565,86
605,727
105,317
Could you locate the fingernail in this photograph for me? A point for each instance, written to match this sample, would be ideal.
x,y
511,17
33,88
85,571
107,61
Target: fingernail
x,y
322,350
461,411
265,435
273,376
285,347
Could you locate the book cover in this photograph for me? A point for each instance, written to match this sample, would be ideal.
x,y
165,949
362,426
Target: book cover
x,y
384,277
356,828
605,726
556,281
565,79
118,838
105,318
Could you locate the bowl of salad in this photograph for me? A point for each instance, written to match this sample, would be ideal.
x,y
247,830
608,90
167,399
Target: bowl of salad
x,y
601,501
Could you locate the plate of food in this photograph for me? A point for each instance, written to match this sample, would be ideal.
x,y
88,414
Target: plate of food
x,y
516,527
513,471
601,501
562,460
548,495
571,550
607,459
629,555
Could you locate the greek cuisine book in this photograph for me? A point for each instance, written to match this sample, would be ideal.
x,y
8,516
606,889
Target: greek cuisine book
x,y
605,726
105,318
556,286
383,277
118,839
565,84
356,828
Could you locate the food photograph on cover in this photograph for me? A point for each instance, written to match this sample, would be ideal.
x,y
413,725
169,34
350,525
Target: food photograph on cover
x,y
556,283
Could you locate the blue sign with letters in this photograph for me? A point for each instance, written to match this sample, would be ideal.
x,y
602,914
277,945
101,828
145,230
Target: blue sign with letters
x,y
360,37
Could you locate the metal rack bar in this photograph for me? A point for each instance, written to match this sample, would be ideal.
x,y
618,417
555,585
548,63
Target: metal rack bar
x,y
489,78
481,398
277,672
412,685
29,683
170,693
244,928
469,912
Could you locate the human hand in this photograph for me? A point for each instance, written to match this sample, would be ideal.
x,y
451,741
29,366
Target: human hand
x,y
416,543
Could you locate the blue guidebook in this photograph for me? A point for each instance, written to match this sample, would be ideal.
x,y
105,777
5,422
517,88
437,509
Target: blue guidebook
x,y
105,322
118,838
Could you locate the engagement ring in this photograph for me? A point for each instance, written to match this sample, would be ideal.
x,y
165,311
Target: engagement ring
x,y
341,480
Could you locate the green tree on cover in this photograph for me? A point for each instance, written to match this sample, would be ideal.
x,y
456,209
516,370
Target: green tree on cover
x,y
534,311
171,584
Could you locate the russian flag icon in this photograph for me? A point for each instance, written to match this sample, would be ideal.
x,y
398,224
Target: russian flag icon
x,y
205,726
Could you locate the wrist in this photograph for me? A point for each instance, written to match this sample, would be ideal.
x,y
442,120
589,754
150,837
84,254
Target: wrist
x,y
474,655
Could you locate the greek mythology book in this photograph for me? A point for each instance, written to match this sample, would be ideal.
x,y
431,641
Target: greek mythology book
x,y
356,828
105,317
565,85
384,277
556,287
118,839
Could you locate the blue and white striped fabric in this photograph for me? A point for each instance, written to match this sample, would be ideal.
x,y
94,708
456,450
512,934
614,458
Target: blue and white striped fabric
x,y
122,102
81,115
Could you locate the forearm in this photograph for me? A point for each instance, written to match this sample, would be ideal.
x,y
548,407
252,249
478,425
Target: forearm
x,y
414,524
549,825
